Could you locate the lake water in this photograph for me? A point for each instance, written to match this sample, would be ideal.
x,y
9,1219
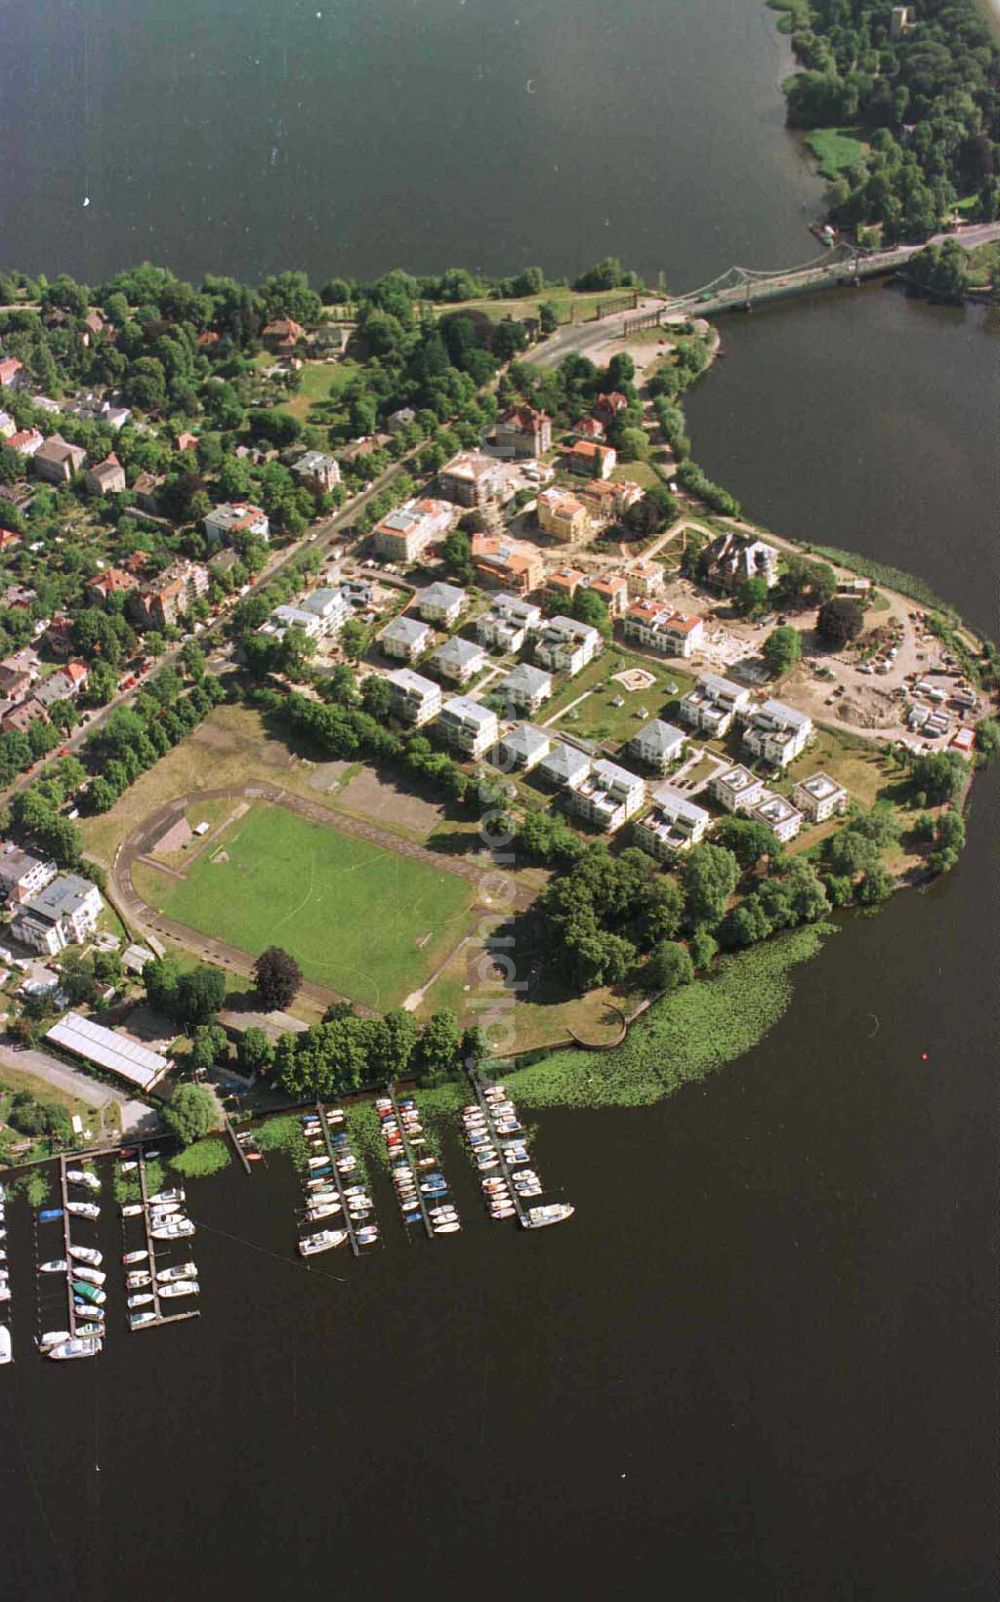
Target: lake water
x,y
759,1363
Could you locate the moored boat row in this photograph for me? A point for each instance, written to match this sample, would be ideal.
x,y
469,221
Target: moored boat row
x,y
420,1186
498,1148
334,1194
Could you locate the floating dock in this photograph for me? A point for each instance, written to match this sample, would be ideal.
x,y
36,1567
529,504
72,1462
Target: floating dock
x,y
160,1317
349,1225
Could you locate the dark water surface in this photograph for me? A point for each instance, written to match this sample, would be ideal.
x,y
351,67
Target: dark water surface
x,y
866,420
244,138
759,1362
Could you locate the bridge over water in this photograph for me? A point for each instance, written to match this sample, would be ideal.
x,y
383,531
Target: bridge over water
x,y
741,288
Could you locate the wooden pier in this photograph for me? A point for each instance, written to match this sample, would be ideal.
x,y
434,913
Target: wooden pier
x,y
505,1168
237,1143
161,1317
67,1242
352,1234
408,1149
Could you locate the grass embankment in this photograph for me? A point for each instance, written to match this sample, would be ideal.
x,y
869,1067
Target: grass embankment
x,y
125,1187
284,1133
365,921
680,1040
205,1157
893,578
836,150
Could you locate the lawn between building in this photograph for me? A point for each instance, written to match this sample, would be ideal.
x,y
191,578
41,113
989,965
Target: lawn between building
x,y
369,923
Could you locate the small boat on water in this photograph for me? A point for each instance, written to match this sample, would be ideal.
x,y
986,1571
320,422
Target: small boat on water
x,y
368,1236
58,1265
89,1293
50,1215
164,1209
138,1279
82,1346
153,1151
319,1162
140,1320
166,1276
164,1196
448,1226
135,1257
80,1176
93,1276
6,1346
84,1209
142,1299
132,1210
87,1254
551,1213
53,1337
180,1287
84,1331
127,1168
323,1241
172,1229
327,1210
4,1291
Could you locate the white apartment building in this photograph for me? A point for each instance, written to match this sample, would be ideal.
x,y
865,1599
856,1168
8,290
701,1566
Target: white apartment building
x,y
526,687
65,913
467,727
778,815
819,797
660,628
737,789
458,660
777,733
414,699
713,704
405,638
507,624
675,824
566,646
522,747
607,795
441,604
658,744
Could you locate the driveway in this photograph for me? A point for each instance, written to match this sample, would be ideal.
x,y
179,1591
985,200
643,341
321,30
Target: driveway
x,y
75,1082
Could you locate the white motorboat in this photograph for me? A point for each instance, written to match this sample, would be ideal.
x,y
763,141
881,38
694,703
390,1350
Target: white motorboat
x,y
328,1209
53,1337
173,1229
175,1195
135,1257
58,1265
127,1168
164,1209
322,1241
166,1276
449,1226
142,1299
139,1320
319,1162
83,1346
552,1213
132,1209
93,1276
138,1279
180,1287
6,1346
80,1176
87,1254
84,1209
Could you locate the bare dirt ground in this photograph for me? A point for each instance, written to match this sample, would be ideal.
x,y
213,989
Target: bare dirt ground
x,y
369,796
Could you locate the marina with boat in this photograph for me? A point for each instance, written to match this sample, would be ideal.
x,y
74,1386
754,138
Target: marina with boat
x,y
416,1173
161,1278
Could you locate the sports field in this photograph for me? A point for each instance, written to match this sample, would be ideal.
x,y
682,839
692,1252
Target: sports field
x,y
367,922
